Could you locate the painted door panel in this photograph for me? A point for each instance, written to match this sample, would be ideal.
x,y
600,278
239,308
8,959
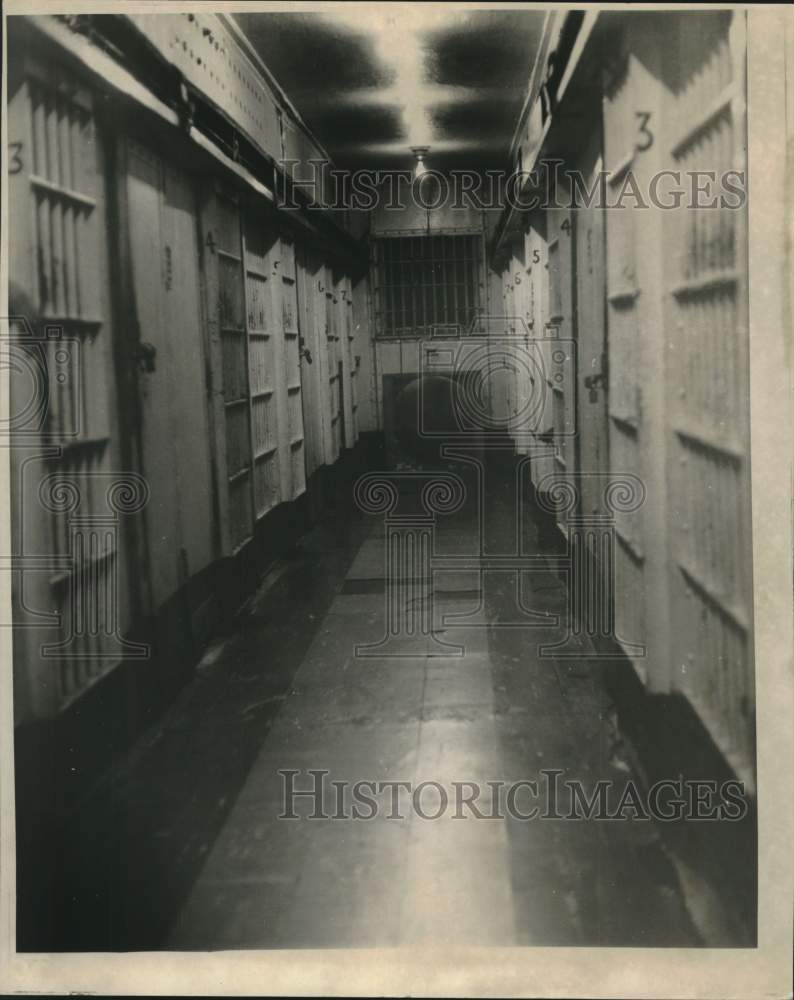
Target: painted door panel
x,y
73,610
174,426
591,368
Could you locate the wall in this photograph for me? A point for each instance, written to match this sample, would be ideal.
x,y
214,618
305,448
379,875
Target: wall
x,y
412,217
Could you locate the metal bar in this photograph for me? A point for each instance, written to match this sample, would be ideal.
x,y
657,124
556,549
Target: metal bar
x,y
442,241
55,189
454,247
402,251
247,369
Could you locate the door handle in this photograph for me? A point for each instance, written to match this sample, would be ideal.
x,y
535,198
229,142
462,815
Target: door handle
x,y
144,355
593,383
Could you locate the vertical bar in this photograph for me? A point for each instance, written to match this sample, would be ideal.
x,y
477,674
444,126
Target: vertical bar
x,y
55,206
450,269
43,269
442,248
388,249
455,242
468,277
393,279
413,268
383,297
466,267
390,282
420,271
75,152
69,243
379,271
423,319
418,290
430,284
35,112
402,252
242,249
432,267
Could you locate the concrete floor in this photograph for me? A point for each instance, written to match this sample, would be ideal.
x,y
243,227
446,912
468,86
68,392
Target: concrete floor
x,y
180,846
497,713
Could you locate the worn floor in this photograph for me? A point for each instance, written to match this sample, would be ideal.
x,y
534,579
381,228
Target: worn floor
x,y
498,713
181,845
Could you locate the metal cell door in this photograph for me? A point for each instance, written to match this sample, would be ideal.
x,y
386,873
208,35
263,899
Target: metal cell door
x,y
335,386
76,595
310,358
708,430
536,255
345,294
591,369
634,434
164,279
295,454
266,371
326,366
559,332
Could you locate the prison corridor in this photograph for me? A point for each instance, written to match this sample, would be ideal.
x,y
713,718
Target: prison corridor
x,y
493,713
184,848
381,533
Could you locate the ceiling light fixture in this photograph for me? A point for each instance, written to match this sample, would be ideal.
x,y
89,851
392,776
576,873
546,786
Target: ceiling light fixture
x,y
419,152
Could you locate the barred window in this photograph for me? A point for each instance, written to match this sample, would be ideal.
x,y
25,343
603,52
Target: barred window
x,y
428,285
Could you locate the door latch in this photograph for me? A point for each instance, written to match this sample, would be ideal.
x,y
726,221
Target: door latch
x,y
594,383
144,354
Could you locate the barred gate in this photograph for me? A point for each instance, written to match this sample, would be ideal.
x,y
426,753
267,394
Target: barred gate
x,y
678,381
709,384
72,599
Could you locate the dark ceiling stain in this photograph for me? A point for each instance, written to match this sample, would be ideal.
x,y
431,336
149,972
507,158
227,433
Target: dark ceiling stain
x,y
486,118
487,49
350,124
307,54
337,79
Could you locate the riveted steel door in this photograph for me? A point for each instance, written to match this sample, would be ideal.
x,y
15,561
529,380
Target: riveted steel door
x,y
75,592
559,333
161,216
708,427
591,370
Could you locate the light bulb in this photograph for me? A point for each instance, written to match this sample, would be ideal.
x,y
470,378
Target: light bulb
x,y
419,152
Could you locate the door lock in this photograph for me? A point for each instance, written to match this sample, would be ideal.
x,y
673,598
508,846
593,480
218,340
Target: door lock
x,y
594,383
144,354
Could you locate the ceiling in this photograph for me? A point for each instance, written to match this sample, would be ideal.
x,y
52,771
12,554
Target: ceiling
x,y
372,80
